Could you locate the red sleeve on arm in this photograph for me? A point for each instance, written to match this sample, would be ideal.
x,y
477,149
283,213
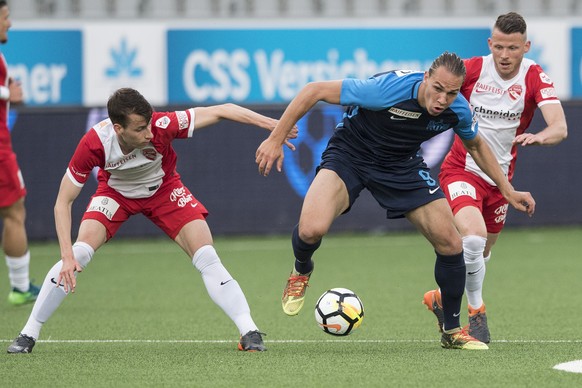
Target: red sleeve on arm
x,y
89,154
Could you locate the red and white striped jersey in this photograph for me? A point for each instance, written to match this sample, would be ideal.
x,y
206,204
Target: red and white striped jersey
x,y
140,173
503,108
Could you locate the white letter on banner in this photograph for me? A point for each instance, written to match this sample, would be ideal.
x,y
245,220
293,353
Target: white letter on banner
x,y
240,62
268,77
195,59
219,63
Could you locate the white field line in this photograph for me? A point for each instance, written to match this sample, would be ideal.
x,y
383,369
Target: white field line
x,y
296,341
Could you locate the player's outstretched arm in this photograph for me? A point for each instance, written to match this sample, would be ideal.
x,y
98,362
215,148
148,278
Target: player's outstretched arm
x,y
270,152
206,116
485,159
554,133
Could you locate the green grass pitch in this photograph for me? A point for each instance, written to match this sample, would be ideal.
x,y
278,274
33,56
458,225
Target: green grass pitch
x,y
140,317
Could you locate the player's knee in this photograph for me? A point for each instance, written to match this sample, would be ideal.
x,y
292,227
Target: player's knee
x,y
204,257
83,253
473,247
312,234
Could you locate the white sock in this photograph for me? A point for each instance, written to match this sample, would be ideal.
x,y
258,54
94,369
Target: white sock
x,y
473,247
223,289
51,296
18,271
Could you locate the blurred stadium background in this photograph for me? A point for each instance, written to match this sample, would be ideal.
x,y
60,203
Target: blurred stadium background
x,y
181,9
71,54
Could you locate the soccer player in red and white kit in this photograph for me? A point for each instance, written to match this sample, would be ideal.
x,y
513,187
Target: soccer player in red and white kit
x,y
138,174
12,189
504,90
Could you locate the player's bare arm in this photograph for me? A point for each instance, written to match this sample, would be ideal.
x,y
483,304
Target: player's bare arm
x,y
554,133
206,116
485,159
270,151
68,192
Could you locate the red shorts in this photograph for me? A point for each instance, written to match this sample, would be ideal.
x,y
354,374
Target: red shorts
x,y
11,183
170,208
463,188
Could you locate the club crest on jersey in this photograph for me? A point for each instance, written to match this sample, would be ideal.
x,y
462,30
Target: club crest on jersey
x,y
149,153
514,92
438,126
163,122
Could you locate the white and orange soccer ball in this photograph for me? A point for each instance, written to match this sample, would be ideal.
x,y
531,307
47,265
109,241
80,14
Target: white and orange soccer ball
x,y
339,311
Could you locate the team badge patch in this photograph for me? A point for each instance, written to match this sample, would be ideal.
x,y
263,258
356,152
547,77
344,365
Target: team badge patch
x,y
545,78
182,118
105,205
163,122
548,93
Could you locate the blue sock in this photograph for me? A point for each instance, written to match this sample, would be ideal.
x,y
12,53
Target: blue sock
x,y
303,252
449,272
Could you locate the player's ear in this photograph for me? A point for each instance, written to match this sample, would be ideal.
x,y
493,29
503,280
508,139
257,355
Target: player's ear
x,y
117,128
527,46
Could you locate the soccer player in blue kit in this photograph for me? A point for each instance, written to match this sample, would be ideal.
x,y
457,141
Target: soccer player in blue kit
x,y
376,147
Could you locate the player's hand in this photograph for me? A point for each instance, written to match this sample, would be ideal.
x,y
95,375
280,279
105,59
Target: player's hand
x,y
527,139
67,277
269,153
15,88
523,201
292,135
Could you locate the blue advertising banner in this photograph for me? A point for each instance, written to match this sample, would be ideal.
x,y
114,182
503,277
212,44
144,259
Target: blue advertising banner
x,y
270,65
48,63
576,63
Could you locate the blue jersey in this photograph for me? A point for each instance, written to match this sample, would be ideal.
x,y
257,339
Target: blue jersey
x,y
385,125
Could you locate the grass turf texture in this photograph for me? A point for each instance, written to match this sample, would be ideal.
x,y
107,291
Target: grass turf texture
x,y
141,317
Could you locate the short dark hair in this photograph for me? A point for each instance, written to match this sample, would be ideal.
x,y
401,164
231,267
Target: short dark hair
x,y
451,61
3,3
510,23
126,101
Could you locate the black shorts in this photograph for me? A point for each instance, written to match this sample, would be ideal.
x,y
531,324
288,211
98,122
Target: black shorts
x,y
398,189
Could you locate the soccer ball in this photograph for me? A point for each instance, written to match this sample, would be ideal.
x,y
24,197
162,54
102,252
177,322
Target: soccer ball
x,y
339,311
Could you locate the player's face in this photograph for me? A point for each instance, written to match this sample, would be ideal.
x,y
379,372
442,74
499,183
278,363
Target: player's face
x,y
5,24
508,51
439,91
137,133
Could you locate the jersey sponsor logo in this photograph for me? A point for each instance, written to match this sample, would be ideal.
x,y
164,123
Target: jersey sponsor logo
x,y
404,113
149,153
163,122
182,118
545,79
492,113
397,118
105,205
501,213
77,173
120,162
483,88
181,196
458,189
515,91
548,93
